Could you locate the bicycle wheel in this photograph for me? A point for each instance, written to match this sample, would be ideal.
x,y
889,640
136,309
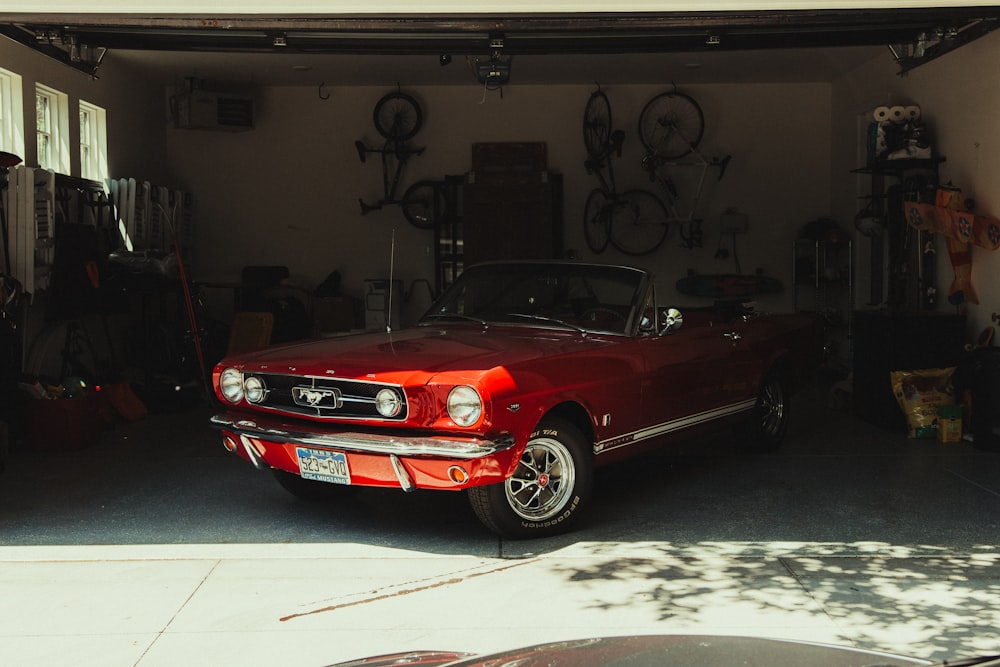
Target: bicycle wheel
x,y
397,116
597,125
639,223
423,203
597,220
671,125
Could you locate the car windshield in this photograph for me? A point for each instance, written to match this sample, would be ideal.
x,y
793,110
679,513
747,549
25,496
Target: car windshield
x,y
585,297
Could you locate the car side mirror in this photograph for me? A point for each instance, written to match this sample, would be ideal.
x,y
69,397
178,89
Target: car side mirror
x,y
672,320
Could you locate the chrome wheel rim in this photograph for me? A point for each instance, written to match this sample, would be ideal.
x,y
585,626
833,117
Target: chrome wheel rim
x,y
772,408
543,481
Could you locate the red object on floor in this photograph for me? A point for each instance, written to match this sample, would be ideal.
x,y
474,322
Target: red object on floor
x,y
63,424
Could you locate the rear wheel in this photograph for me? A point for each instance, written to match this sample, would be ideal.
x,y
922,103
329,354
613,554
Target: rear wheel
x,y
671,125
545,494
310,489
766,427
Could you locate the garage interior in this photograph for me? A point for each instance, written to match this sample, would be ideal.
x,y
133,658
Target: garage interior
x,y
264,190
130,537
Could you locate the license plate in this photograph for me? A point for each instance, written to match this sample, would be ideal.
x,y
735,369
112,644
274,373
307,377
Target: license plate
x,y
323,465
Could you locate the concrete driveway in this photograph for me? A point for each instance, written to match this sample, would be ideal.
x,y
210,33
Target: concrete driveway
x,y
156,547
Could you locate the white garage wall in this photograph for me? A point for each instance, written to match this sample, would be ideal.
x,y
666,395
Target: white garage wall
x,y
287,192
134,106
959,95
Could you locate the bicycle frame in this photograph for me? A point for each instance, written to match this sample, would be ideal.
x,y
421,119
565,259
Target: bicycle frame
x,y
658,169
391,151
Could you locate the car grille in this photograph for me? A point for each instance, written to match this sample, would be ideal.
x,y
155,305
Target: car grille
x,y
325,397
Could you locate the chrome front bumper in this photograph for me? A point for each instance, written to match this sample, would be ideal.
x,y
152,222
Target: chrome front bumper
x,y
373,443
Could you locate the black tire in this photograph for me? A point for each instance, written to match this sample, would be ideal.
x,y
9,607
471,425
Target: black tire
x,y
639,224
597,125
671,125
547,491
766,427
397,116
597,221
423,204
310,489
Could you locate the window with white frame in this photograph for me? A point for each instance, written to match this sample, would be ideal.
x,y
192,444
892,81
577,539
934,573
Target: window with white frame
x,y
93,142
52,129
11,114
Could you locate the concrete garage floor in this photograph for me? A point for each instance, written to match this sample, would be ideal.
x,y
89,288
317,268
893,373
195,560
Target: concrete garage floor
x,y
156,547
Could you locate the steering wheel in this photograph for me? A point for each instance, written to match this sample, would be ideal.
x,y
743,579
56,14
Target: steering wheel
x,y
591,313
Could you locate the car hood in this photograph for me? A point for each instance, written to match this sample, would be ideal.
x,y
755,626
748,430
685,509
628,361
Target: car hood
x,y
652,651
427,349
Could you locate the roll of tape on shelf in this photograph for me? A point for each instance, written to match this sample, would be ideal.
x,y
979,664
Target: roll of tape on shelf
x,y
912,112
881,114
897,114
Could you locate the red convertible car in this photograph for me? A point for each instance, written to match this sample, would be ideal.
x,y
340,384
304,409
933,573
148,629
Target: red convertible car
x,y
520,381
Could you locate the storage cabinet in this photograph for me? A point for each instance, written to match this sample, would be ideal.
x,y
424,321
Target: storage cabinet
x,y
509,206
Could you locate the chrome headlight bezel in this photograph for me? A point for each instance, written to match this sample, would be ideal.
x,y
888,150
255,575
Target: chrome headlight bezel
x,y
231,385
465,405
254,389
388,402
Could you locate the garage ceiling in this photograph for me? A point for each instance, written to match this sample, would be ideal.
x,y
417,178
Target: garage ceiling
x,y
636,47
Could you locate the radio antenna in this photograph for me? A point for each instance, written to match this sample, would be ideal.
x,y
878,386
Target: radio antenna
x,y
392,259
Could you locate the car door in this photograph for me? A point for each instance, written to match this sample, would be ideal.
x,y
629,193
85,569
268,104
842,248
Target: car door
x,y
698,374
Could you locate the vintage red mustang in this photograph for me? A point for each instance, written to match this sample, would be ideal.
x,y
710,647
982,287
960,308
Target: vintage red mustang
x,y
519,381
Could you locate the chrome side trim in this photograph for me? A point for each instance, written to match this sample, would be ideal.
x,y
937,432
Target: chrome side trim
x,y
374,443
671,426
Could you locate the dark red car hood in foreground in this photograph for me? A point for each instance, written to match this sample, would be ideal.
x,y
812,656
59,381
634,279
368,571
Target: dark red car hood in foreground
x,y
428,349
653,651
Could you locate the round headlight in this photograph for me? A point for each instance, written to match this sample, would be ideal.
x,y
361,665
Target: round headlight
x,y
388,403
255,389
464,406
231,385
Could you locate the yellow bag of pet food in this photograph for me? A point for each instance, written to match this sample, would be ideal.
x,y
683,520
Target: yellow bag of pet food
x,y
920,393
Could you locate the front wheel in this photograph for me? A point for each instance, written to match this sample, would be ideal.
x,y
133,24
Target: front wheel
x,y
397,116
423,204
547,491
640,222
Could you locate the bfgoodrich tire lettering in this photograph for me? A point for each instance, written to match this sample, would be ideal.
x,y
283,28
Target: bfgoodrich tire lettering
x,y
546,493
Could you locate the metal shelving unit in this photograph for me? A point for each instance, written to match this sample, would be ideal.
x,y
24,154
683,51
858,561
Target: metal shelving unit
x,y
823,282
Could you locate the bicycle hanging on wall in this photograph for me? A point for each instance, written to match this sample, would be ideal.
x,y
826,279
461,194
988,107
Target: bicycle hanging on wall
x,y
671,126
634,221
398,118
